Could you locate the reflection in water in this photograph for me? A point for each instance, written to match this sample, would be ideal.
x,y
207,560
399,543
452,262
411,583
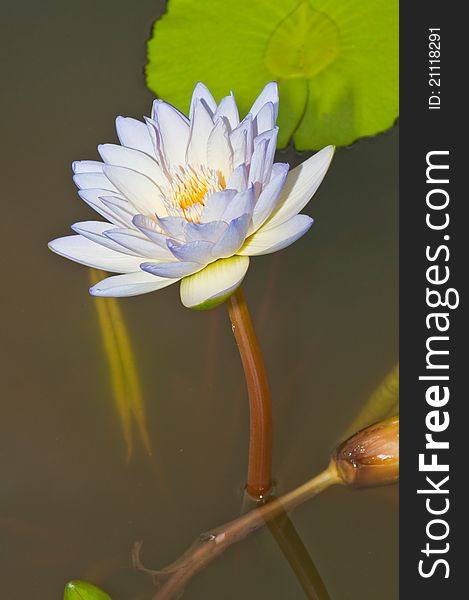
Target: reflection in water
x,y
367,459
297,555
122,367
383,402
211,544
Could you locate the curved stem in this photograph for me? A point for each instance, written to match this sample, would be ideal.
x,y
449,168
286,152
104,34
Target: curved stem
x,y
211,544
259,479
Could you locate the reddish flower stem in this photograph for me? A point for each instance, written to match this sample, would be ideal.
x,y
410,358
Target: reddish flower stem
x,y
259,479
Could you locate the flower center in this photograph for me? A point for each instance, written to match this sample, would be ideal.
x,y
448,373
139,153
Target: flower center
x,y
191,189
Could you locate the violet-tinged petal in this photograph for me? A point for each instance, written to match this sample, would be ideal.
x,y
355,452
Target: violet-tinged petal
x,y
172,270
233,238
270,195
138,243
210,231
216,205
173,226
266,241
149,228
242,203
130,284
199,251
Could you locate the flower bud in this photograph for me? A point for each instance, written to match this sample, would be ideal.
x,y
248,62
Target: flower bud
x,y
80,590
371,456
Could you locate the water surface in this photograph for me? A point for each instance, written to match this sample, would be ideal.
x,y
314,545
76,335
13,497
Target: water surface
x,y
325,311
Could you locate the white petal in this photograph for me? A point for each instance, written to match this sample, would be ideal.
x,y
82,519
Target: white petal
x,y
94,230
155,136
86,252
137,243
238,179
201,92
242,203
201,127
174,130
216,205
149,228
120,207
265,118
268,94
130,284
256,170
120,156
215,283
85,181
219,151
302,182
93,198
87,166
266,241
270,195
228,109
233,238
263,157
143,193
241,140
134,134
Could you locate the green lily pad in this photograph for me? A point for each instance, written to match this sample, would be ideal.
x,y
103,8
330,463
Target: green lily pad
x,y
80,590
336,61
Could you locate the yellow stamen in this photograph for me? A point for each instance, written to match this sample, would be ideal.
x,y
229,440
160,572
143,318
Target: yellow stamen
x,y
191,189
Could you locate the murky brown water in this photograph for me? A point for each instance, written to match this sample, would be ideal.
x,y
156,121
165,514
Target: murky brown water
x,y
326,315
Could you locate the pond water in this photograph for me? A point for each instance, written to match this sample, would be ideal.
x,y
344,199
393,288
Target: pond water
x,y
325,310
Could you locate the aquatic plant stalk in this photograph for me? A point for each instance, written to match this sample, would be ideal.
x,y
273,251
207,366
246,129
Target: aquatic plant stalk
x,y
259,479
383,402
211,544
367,459
123,370
297,555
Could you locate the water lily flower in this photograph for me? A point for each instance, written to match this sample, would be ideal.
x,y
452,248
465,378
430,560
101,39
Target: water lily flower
x,y
190,199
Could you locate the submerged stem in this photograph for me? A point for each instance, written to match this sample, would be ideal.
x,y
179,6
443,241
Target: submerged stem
x,y
259,480
211,544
